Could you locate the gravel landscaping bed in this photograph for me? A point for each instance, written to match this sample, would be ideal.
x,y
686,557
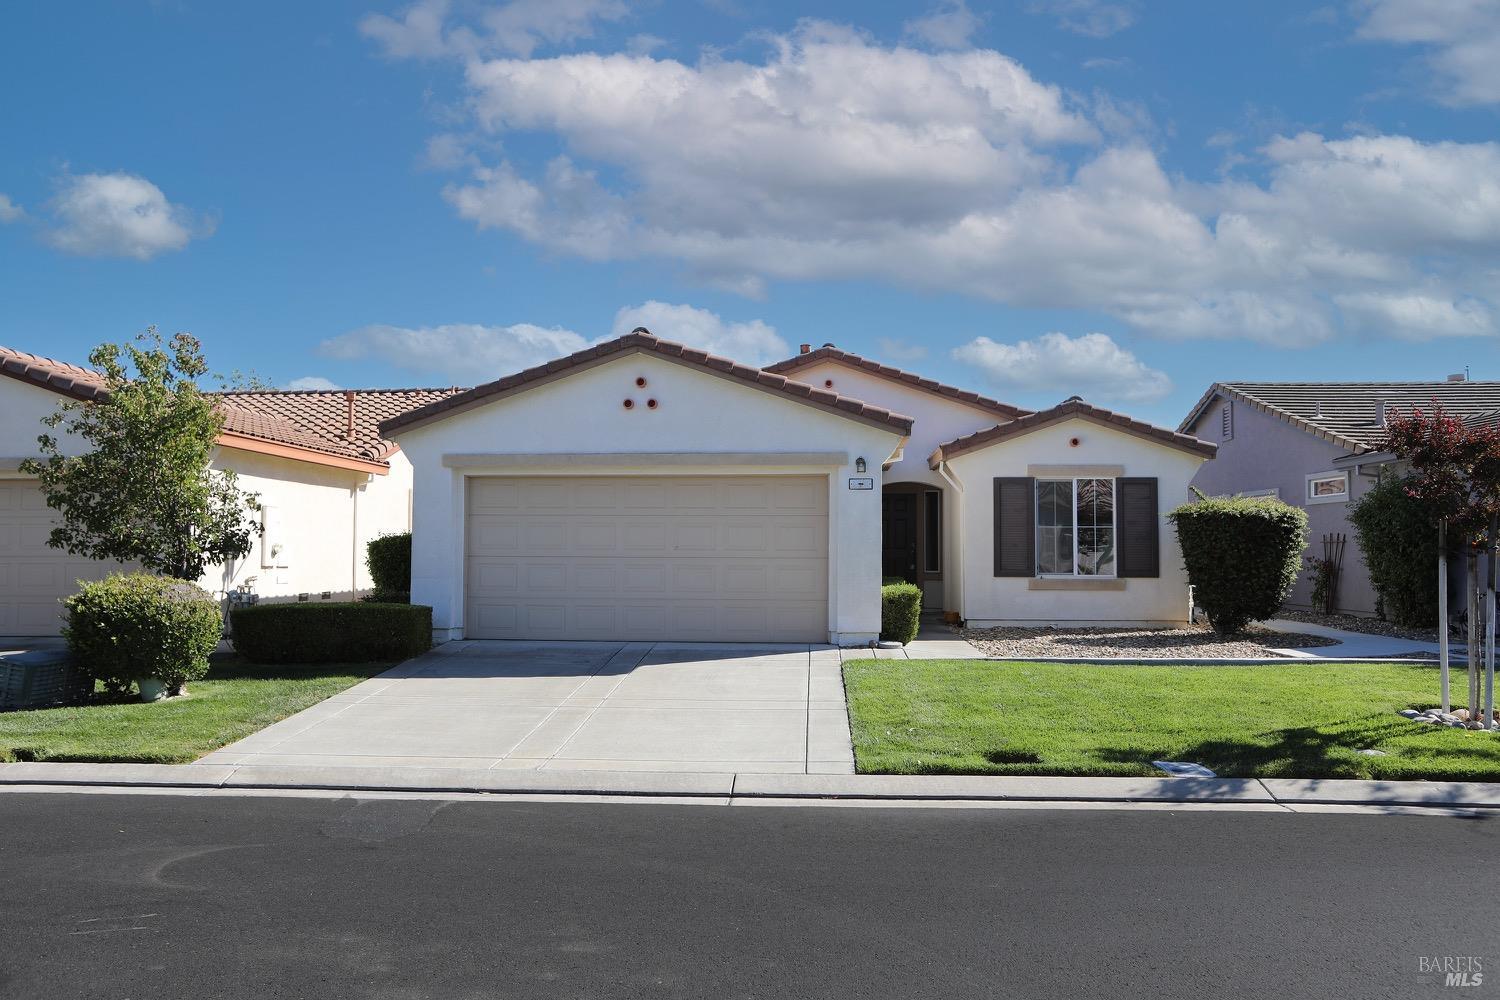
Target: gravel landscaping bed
x,y
1354,623
1194,641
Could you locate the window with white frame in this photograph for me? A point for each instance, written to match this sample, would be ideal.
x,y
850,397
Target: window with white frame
x,y
1328,487
1075,527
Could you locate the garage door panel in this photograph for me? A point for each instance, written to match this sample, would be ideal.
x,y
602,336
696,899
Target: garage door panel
x,y
34,578
693,558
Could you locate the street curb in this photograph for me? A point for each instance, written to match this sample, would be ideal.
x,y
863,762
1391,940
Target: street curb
x,y
1288,792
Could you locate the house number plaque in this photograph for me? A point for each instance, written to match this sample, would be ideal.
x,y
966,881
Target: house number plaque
x,y
862,483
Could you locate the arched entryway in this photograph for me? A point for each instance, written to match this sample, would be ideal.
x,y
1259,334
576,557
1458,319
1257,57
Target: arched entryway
x,y
911,537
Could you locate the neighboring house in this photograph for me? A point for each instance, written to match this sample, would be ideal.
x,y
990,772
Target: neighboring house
x,y
328,481
1316,445
640,489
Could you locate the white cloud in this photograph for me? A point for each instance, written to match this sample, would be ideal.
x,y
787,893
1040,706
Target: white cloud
x,y
423,31
118,215
900,352
467,353
833,157
9,210
950,25
754,343
417,34
1093,18
312,382
461,353
1462,38
1091,365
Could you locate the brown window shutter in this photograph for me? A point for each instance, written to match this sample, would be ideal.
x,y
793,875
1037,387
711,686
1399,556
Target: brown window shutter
x,y
1140,527
1015,526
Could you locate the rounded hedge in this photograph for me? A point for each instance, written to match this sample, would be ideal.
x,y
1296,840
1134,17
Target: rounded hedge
x,y
1242,556
900,612
1398,538
131,626
389,561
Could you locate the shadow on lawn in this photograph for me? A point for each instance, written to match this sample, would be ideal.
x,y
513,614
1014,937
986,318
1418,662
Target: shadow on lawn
x,y
1299,751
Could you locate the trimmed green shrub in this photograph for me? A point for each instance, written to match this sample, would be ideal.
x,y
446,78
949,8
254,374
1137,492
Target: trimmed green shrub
x,y
131,626
389,560
331,632
1397,535
900,612
387,597
1242,556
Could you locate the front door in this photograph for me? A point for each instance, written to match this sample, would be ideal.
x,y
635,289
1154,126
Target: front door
x,y
898,546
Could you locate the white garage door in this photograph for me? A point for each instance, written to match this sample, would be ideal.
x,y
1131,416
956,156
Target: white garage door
x,y
713,558
34,578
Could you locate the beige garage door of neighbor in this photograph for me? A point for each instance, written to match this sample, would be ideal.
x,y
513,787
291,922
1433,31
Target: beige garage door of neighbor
x,y
710,558
34,578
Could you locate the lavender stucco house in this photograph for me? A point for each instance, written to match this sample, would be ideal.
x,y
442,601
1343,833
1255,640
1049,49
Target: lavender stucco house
x,y
1316,445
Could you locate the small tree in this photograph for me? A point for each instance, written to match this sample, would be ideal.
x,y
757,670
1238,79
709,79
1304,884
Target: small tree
x,y
1242,555
143,491
1456,475
1397,536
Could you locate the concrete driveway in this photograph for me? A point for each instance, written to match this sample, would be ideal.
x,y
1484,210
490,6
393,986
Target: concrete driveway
x,y
610,706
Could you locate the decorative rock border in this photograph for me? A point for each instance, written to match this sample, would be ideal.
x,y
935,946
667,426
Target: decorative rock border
x,y
1456,719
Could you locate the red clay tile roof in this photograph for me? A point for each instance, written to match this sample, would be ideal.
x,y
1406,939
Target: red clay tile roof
x,y
642,339
1073,407
311,420
319,418
59,376
830,353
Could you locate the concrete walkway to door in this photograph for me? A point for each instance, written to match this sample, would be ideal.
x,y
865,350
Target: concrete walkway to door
x,y
599,706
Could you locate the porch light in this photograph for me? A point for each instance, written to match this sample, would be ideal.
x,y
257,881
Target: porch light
x,y
859,465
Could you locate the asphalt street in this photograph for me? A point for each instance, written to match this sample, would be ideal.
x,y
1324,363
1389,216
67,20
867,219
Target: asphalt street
x,y
151,896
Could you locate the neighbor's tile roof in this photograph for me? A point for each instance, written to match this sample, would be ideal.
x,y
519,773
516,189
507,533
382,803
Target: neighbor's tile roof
x,y
319,418
312,420
830,353
1073,407
1347,414
642,339
59,376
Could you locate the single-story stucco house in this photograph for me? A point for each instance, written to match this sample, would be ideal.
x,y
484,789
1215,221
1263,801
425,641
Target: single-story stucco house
x,y
641,489
1316,445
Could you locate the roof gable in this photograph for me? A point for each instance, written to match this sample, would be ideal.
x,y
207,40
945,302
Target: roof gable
x,y
829,353
1071,409
642,340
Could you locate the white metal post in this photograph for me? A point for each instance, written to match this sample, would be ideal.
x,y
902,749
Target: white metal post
x,y
1489,632
1443,612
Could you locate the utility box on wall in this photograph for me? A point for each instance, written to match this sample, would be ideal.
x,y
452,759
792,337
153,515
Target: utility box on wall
x,y
273,541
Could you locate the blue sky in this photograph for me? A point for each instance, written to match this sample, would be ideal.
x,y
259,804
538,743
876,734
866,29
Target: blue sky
x,y
1119,198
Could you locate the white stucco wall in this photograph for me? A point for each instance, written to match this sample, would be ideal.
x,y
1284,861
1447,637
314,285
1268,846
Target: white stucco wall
x,y
987,599
328,514
326,517
938,421
698,413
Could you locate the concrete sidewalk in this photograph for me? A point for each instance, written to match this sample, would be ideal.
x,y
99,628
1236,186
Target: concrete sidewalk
x,y
724,788
1353,645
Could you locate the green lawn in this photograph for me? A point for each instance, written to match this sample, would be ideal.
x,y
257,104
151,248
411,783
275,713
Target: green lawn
x,y
1293,720
233,701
